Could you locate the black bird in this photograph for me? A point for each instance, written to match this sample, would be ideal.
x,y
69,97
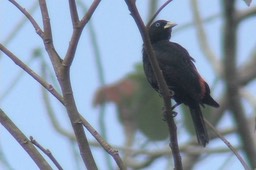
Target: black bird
x,y
180,75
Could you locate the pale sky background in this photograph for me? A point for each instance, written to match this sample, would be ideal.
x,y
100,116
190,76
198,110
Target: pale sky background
x,y
120,47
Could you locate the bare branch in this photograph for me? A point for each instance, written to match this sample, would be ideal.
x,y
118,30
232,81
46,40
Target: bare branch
x,y
49,108
30,18
161,83
77,30
46,152
62,73
99,66
46,22
153,5
48,41
24,141
91,10
113,152
158,11
46,35
246,167
15,29
75,119
22,65
245,14
73,12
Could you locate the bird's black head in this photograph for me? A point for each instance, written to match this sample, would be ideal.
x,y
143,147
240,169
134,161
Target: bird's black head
x,y
160,30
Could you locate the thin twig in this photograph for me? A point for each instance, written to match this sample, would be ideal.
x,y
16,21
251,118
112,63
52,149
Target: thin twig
x,y
89,127
62,74
65,83
64,80
153,5
30,18
157,12
46,152
245,14
113,152
89,13
48,40
246,167
13,83
46,22
39,79
77,30
73,12
24,141
161,83
19,25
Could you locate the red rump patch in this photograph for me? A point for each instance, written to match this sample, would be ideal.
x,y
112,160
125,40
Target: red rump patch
x,y
202,85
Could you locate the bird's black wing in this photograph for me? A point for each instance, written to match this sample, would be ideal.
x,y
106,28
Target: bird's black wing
x,y
179,71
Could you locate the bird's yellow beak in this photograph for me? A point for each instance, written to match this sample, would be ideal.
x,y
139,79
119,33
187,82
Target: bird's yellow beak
x,y
169,25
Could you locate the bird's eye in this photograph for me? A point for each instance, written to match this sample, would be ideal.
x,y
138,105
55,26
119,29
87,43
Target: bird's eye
x,y
157,24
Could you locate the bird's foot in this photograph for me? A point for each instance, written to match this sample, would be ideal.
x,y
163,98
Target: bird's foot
x,y
173,113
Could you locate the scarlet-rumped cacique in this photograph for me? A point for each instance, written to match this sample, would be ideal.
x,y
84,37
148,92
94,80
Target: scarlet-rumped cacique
x,y
180,75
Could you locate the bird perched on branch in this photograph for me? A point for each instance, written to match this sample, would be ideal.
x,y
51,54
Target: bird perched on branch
x,y
180,75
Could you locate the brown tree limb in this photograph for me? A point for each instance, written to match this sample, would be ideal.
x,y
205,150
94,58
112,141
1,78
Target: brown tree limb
x,y
48,40
24,141
109,149
75,119
62,72
46,35
161,83
73,12
77,30
232,85
51,89
49,108
46,152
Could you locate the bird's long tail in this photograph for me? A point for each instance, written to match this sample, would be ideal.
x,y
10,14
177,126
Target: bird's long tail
x,y
198,120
